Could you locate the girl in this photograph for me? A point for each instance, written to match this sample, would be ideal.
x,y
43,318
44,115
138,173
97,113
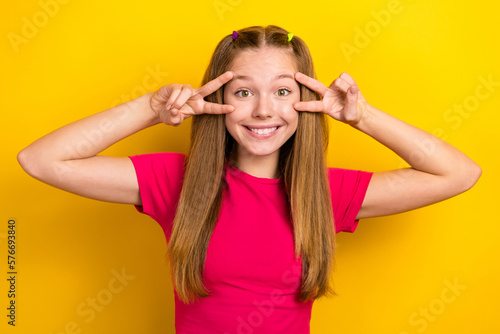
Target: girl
x,y
250,213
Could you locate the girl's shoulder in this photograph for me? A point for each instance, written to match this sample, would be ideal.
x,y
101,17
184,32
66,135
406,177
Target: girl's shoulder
x,y
160,164
159,157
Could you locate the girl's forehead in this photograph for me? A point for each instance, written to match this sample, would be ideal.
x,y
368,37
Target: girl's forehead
x,y
263,60
263,53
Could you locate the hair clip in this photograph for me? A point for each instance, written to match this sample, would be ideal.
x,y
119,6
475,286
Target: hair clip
x,y
235,35
290,36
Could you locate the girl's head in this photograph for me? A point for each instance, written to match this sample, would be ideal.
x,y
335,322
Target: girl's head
x,y
253,39
262,60
263,89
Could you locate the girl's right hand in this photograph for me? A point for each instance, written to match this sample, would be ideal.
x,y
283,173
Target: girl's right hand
x,y
174,103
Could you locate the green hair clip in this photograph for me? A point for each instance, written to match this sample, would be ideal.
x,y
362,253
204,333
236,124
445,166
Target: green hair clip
x,y
290,36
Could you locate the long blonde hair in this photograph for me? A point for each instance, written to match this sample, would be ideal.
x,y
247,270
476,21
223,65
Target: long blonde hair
x,y
302,164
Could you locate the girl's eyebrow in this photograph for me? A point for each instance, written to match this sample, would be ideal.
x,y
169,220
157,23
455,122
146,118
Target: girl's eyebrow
x,y
277,77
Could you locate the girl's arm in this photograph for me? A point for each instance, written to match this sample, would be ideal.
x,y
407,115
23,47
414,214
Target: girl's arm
x,y
438,170
67,157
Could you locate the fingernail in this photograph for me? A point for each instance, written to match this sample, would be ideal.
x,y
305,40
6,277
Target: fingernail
x,y
174,113
352,90
168,107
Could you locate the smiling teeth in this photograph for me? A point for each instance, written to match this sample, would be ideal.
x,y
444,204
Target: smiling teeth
x,y
263,131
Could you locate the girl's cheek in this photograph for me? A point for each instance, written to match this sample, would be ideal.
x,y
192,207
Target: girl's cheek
x,y
241,107
287,108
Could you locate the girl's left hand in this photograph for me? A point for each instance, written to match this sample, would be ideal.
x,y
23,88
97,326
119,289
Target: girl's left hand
x,y
342,100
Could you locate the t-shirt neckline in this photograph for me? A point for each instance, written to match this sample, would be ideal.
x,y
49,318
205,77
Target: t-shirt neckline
x,y
241,174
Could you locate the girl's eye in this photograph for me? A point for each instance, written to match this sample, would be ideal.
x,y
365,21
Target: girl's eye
x,y
283,92
242,93
246,93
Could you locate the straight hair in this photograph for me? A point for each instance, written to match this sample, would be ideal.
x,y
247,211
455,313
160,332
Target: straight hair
x,y
302,163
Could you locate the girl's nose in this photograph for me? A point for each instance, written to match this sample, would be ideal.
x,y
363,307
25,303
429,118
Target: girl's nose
x,y
263,108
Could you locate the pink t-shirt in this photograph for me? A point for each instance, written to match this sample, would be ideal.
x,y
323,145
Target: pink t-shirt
x,y
250,267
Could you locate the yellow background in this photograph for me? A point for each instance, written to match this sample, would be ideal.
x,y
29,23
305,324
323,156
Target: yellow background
x,y
90,55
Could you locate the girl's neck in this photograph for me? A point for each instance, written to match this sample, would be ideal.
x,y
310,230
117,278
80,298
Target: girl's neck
x,y
259,166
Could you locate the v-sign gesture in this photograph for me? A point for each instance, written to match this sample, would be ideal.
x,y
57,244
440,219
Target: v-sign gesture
x,y
342,100
174,103
438,170
68,159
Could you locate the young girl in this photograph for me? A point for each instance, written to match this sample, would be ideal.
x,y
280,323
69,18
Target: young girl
x,y
250,213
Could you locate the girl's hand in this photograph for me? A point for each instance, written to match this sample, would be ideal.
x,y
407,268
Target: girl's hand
x,y
342,100
174,103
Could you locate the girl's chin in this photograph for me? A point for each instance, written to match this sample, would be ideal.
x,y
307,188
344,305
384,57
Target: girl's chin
x,y
259,152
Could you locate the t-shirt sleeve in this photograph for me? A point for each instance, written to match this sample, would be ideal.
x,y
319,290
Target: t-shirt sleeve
x,y
160,177
348,188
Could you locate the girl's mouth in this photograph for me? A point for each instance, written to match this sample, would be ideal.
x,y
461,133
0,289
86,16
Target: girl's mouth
x,y
263,133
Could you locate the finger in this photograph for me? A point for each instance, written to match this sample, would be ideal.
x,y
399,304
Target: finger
x,y
215,84
347,78
215,108
175,117
186,93
350,108
313,84
340,84
313,106
175,91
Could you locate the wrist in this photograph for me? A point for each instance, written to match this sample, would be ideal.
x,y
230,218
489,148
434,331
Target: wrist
x,y
144,106
368,113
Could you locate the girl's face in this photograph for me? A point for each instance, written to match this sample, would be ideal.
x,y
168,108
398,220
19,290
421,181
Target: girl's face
x,y
262,91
